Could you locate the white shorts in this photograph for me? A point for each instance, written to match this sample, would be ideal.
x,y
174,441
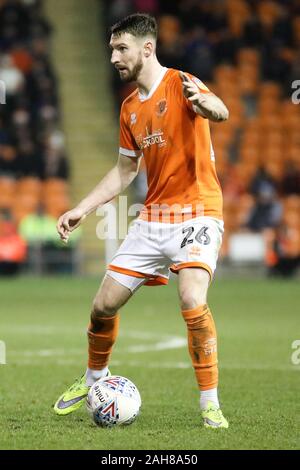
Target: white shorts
x,y
152,249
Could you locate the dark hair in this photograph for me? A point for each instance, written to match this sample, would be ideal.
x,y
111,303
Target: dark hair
x,y
138,24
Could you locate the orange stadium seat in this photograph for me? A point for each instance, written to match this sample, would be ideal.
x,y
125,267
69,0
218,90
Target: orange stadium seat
x,y
267,106
272,140
270,122
221,154
272,155
25,204
291,123
296,28
169,29
293,138
56,204
225,73
270,90
292,203
246,203
235,105
29,185
250,154
230,215
7,192
293,154
268,12
212,87
239,6
222,168
248,56
27,201
248,79
227,91
288,108
274,169
245,171
222,138
253,124
250,138
238,13
54,186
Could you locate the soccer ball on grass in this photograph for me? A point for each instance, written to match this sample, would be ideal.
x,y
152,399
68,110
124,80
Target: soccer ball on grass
x,y
113,401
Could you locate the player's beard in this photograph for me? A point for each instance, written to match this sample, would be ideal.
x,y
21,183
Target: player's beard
x,y
133,74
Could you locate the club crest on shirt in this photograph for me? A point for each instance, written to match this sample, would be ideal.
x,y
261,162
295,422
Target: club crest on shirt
x,y
132,118
161,107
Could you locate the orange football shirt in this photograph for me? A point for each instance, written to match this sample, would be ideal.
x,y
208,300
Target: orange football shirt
x,y
176,145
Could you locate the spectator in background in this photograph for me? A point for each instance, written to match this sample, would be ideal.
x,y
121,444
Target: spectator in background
x,y
267,210
30,160
198,56
12,247
11,76
44,246
9,164
291,179
286,248
55,160
170,49
260,181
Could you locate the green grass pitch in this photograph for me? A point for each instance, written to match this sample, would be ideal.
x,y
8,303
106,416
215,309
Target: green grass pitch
x,y
43,323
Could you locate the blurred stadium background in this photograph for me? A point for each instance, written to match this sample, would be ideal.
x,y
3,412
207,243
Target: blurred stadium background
x,y
59,126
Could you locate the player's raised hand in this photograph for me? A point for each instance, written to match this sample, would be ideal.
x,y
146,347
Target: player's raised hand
x,y
68,222
190,89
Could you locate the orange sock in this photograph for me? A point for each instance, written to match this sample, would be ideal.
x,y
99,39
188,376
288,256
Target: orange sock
x,y
202,341
101,338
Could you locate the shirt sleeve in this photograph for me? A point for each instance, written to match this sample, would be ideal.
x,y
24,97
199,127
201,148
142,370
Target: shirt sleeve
x,y
128,145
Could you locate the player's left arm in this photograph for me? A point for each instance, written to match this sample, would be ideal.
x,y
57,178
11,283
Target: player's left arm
x,y
207,105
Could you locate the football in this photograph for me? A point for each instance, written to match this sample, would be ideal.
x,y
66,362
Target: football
x,y
113,401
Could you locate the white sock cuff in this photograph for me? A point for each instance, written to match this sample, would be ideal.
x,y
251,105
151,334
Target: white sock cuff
x,y
93,375
209,395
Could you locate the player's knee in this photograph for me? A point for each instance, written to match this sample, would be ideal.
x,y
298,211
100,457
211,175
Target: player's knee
x,y
103,308
193,291
190,298
193,295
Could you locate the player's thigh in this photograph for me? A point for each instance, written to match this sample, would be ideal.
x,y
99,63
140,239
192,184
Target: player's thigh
x,y
193,285
110,297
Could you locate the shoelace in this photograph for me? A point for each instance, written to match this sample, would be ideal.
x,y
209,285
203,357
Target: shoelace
x,y
217,413
76,385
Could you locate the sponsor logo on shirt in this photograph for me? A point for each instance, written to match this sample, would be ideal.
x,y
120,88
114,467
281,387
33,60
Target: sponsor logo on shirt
x,y
155,138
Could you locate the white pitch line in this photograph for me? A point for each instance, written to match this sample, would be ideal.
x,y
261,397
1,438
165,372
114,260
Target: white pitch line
x,y
175,342
160,365
163,342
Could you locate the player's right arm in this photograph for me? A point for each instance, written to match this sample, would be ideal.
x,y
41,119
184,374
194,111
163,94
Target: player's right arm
x,y
113,183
